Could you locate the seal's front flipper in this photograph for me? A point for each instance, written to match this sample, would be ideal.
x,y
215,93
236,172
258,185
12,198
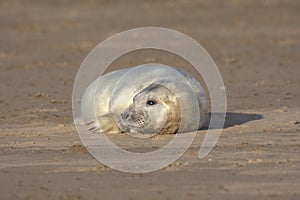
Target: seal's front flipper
x,y
107,124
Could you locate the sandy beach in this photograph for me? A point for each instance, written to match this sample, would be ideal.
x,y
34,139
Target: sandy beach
x,y
256,46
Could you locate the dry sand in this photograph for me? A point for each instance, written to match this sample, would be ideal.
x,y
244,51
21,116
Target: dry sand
x,y
256,45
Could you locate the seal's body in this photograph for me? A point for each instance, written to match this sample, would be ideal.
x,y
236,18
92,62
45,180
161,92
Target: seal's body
x,y
146,99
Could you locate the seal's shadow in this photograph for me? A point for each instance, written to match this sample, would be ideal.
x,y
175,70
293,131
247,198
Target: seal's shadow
x,y
233,119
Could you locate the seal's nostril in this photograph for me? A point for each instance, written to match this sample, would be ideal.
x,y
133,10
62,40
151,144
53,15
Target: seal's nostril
x,y
125,115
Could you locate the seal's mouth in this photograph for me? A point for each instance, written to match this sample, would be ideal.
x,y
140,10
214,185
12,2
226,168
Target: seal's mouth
x,y
135,119
140,121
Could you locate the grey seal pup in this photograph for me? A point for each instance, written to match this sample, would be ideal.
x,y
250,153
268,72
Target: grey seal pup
x,y
144,100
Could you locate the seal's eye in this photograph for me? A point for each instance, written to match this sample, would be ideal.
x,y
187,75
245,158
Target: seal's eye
x,y
151,102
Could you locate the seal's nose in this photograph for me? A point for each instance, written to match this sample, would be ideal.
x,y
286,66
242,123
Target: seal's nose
x,y
125,115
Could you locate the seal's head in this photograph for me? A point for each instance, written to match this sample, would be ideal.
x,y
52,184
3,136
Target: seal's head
x,y
154,110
